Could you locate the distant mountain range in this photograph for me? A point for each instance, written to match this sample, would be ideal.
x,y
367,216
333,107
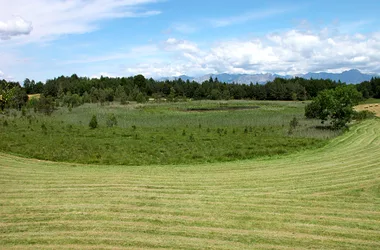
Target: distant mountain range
x,y
350,76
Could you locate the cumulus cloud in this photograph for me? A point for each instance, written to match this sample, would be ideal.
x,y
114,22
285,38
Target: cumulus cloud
x,y
5,77
288,52
54,18
14,27
104,74
173,44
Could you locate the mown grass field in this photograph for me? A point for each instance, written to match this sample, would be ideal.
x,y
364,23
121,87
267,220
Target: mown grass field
x,y
166,133
326,198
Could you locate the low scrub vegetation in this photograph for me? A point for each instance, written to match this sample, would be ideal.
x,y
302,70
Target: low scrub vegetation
x,y
173,133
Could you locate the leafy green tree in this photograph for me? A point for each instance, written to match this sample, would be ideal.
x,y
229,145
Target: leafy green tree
x,y
86,98
109,94
46,105
19,98
140,82
172,96
335,105
133,94
28,86
7,93
226,94
39,88
51,88
123,98
215,94
140,98
102,96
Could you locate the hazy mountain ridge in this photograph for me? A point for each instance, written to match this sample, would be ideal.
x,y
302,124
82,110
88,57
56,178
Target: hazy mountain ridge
x,y
350,76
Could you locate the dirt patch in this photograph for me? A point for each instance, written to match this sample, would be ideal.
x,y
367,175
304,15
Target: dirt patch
x,y
37,96
221,108
370,107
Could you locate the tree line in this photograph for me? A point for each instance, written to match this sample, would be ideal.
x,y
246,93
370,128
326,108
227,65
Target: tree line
x,y
73,90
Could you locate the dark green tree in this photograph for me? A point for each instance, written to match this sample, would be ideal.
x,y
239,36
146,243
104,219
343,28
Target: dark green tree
x,y
46,105
140,82
335,105
19,98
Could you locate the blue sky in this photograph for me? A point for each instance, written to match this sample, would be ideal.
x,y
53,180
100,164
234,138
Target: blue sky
x,y
42,39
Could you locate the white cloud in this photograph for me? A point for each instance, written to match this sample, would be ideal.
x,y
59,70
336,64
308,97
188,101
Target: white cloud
x,y
104,74
54,18
5,77
163,69
288,52
173,44
14,27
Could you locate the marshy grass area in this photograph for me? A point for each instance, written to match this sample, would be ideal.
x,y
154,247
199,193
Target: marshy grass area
x,y
162,133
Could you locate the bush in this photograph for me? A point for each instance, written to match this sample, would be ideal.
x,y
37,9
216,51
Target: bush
x,y
140,98
111,120
44,128
123,99
23,111
94,122
294,123
363,115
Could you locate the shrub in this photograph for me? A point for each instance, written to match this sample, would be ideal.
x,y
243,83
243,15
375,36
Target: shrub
x,y
111,120
294,123
94,122
44,128
123,99
140,98
363,115
23,111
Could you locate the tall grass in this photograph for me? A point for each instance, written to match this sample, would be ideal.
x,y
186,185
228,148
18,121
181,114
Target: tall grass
x,y
162,133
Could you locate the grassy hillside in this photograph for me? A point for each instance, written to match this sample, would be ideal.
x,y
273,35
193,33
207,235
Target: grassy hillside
x,y
328,198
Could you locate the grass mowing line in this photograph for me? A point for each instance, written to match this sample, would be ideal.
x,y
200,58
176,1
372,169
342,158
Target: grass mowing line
x,y
322,222
194,232
276,200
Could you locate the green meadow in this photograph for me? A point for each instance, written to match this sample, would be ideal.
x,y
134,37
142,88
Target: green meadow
x,y
165,133
325,198
242,181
